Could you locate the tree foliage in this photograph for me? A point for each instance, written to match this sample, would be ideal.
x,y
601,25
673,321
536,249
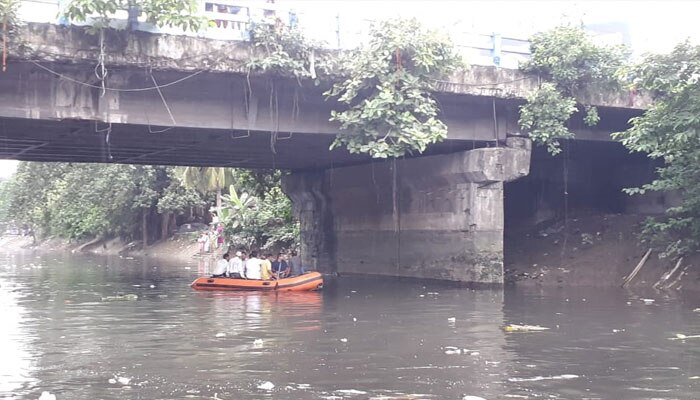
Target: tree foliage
x,y
281,50
261,223
572,67
77,201
9,20
390,110
171,13
545,117
670,131
80,201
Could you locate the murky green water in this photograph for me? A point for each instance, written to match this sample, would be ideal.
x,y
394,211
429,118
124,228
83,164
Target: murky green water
x,y
359,339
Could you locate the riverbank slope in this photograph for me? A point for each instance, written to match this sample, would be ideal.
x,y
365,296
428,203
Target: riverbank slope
x,y
591,250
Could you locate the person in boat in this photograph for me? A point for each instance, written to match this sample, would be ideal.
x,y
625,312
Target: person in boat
x,y
221,267
252,266
235,266
295,264
266,267
280,268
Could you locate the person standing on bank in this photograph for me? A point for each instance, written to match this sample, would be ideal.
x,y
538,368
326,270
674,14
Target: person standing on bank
x,y
221,267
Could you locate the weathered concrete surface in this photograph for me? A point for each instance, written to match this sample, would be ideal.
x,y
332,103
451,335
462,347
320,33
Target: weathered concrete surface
x,y
437,217
207,111
55,43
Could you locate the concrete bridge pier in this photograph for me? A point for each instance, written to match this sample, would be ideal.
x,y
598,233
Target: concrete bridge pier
x,y
437,217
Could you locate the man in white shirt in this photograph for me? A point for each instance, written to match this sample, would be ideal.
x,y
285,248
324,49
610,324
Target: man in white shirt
x,y
221,267
235,266
252,266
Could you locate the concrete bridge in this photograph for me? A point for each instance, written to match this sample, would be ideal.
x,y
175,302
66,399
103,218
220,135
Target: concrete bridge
x,y
178,100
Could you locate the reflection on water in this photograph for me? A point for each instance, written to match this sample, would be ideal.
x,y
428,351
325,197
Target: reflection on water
x,y
15,362
358,339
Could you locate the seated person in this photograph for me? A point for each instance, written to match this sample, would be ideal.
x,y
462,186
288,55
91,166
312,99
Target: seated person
x,y
221,267
252,266
235,265
280,267
266,267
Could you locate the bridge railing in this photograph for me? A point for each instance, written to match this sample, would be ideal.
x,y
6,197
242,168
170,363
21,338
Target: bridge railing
x,y
231,20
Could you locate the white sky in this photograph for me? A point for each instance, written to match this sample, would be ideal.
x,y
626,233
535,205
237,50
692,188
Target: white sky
x,y
655,26
7,168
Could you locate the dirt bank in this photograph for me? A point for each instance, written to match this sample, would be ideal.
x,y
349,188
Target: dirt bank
x,y
179,248
594,250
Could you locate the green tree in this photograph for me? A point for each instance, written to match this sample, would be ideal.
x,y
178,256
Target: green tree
x,y
207,180
171,13
9,22
573,67
266,223
669,131
389,110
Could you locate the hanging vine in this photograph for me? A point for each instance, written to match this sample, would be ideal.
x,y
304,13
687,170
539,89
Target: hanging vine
x,y
280,50
572,66
387,91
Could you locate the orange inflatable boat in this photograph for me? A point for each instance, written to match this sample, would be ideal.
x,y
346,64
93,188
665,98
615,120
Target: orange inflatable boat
x,y
306,282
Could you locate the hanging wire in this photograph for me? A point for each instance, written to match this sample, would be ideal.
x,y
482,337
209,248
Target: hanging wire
x,y
495,122
165,103
100,69
107,131
145,89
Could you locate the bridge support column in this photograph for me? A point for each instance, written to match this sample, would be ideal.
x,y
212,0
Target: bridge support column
x,y
437,217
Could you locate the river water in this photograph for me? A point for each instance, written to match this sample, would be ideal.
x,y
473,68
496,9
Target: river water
x,y
358,339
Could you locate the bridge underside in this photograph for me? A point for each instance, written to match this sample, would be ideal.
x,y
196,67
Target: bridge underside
x,y
56,112
90,141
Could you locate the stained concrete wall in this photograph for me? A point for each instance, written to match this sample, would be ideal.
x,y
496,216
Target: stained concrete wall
x,y
437,217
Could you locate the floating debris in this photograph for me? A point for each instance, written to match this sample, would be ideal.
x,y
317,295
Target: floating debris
x,y
126,297
452,350
258,343
344,340
123,380
544,378
119,379
451,319
220,335
47,396
350,391
696,310
266,386
680,336
524,328
648,301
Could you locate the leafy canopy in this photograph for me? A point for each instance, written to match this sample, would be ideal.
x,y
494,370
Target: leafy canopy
x,y
390,110
281,50
170,13
670,132
572,66
77,201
